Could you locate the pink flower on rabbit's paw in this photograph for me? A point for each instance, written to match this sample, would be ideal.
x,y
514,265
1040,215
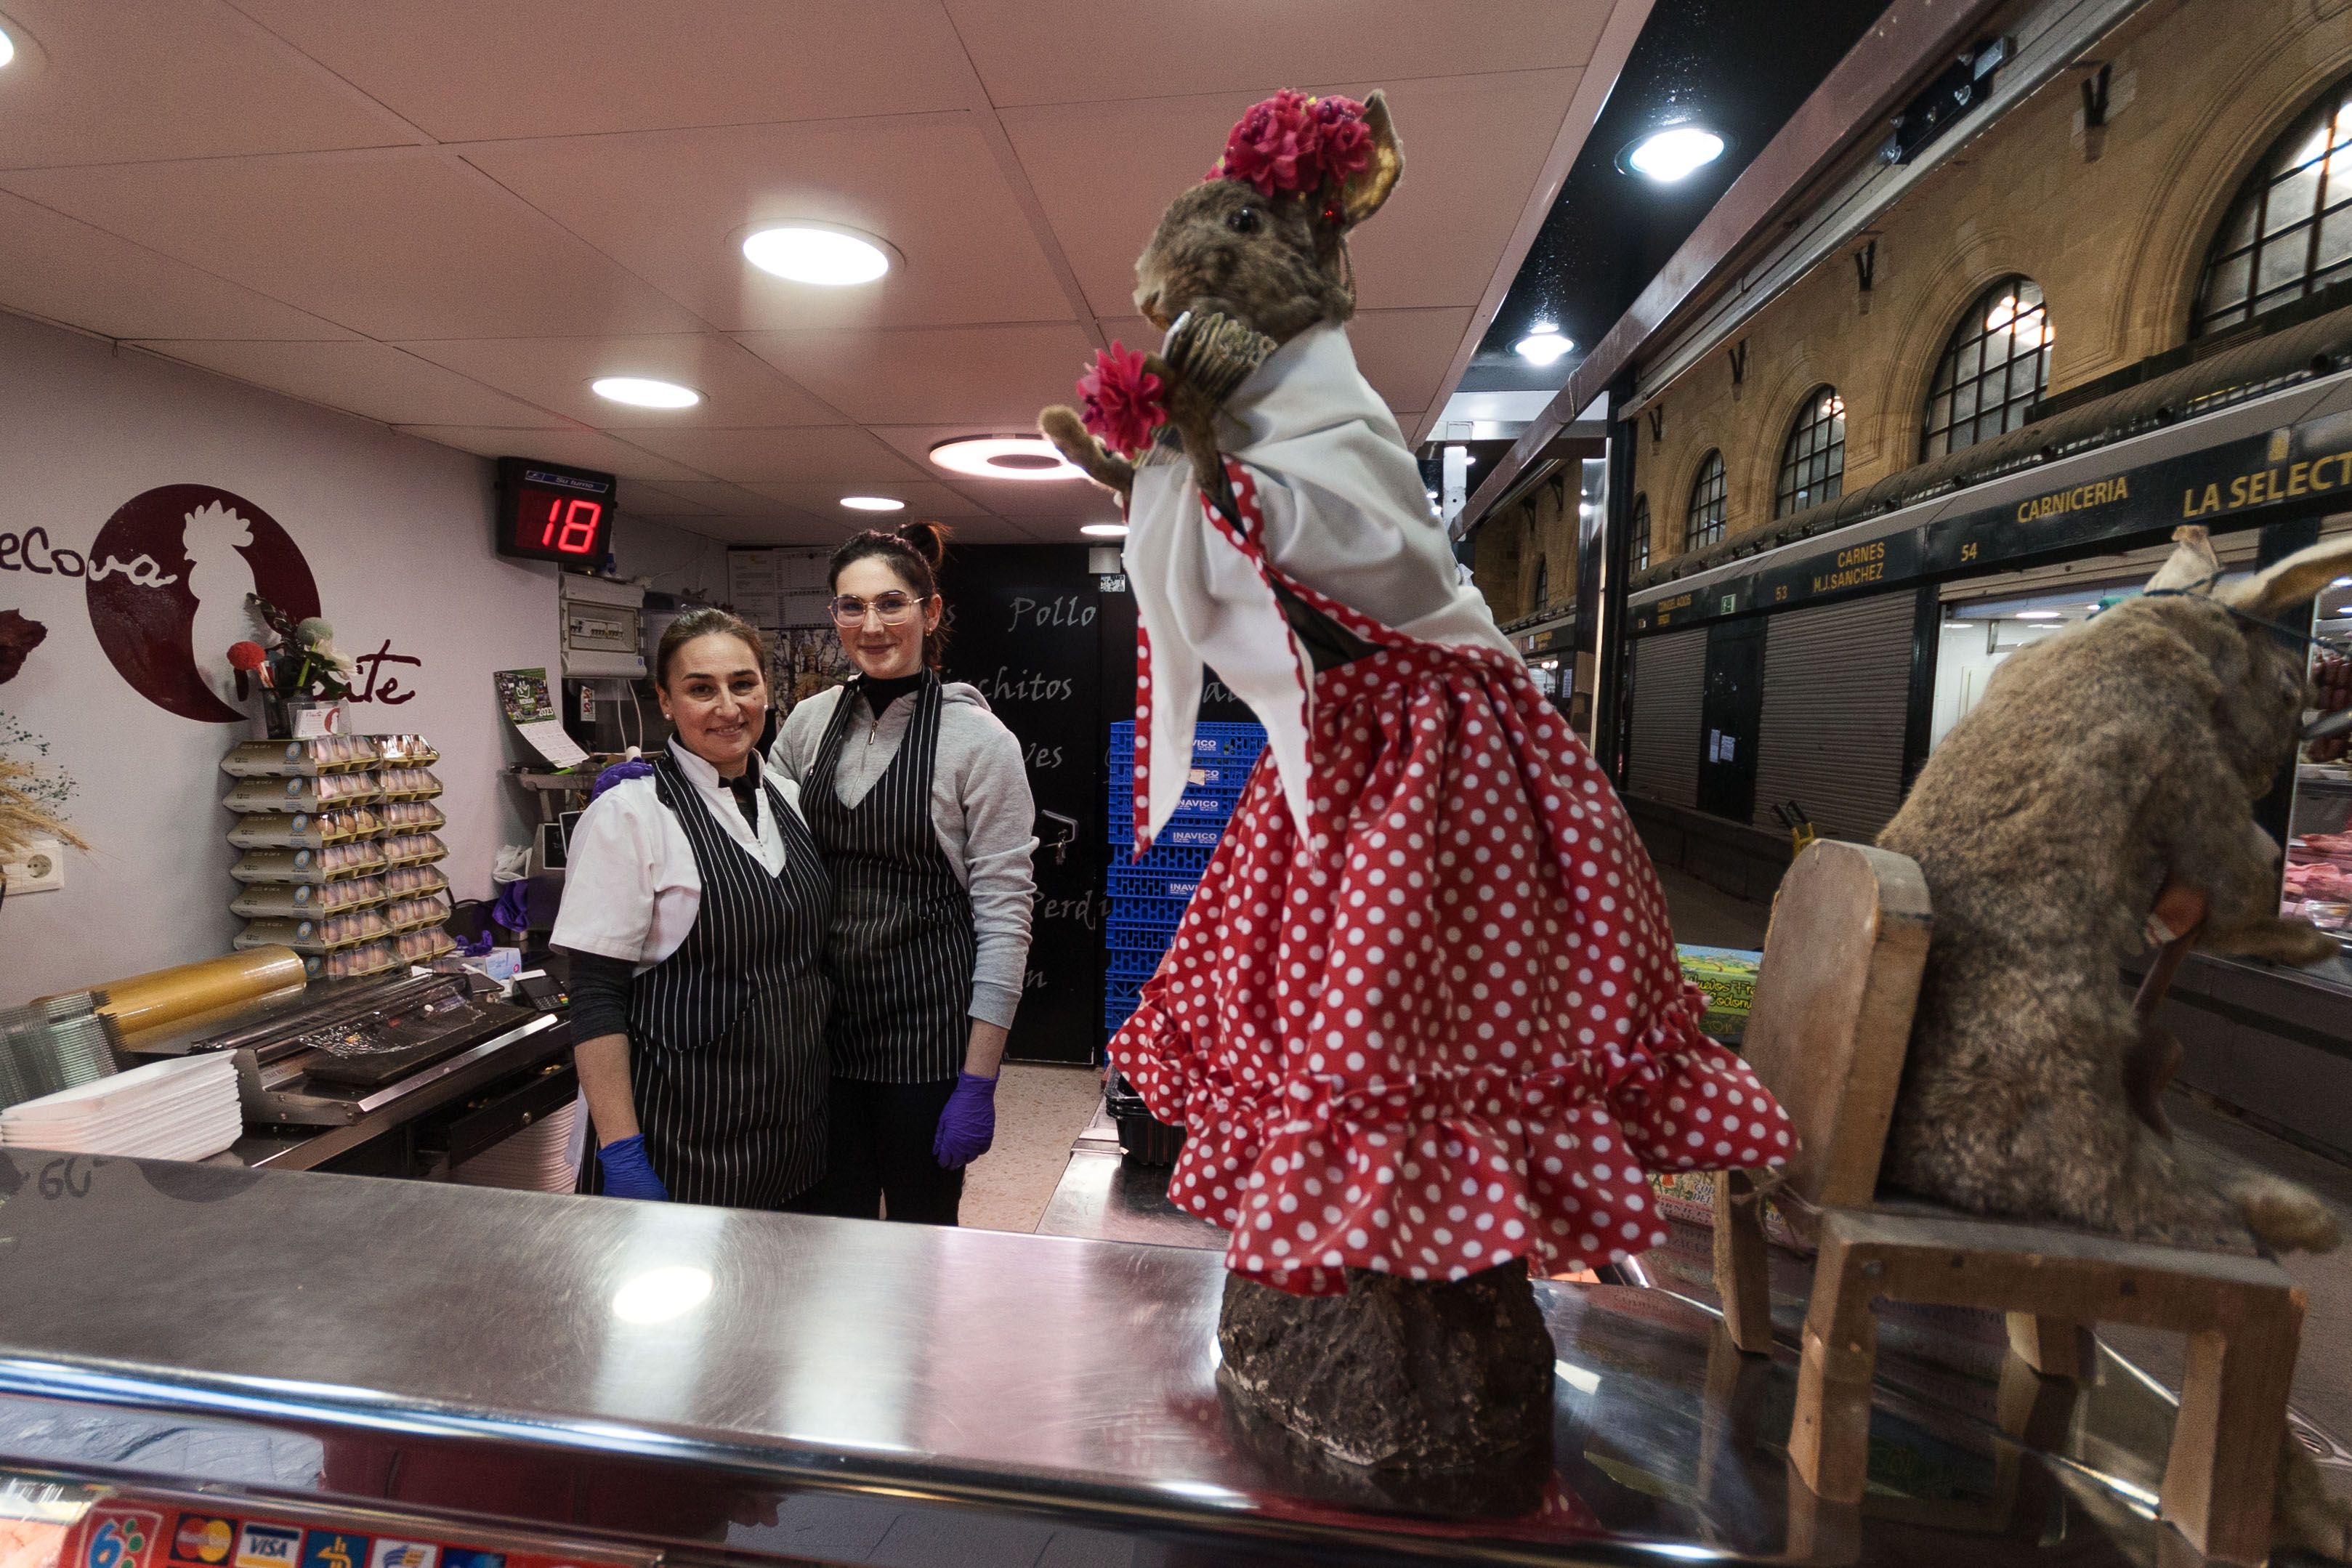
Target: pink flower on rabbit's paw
x,y
1122,401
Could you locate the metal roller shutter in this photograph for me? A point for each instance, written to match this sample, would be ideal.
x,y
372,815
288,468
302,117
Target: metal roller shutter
x,y
1668,674
1837,689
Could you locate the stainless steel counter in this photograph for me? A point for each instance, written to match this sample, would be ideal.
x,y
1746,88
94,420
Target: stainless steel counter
x,y
819,1389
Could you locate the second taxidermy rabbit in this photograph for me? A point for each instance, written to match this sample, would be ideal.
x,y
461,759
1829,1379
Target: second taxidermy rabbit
x,y
2105,764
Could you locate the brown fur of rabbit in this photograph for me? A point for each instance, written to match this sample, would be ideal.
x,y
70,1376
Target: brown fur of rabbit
x,y
2103,763
1278,264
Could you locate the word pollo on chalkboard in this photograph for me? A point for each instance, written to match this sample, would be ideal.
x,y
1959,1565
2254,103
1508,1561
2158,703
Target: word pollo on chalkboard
x,y
1066,610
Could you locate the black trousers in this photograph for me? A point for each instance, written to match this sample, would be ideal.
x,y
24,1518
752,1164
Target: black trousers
x,y
879,1162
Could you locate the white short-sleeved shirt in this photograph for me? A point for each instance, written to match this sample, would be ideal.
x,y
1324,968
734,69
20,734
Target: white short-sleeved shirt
x,y
631,889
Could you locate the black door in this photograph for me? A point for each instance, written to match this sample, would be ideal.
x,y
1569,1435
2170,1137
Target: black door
x,y
1731,712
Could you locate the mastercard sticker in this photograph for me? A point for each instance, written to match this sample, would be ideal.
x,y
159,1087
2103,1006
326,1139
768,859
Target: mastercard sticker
x,y
203,1539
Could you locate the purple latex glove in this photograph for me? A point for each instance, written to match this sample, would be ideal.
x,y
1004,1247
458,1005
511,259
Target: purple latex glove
x,y
967,1124
635,768
628,1173
512,911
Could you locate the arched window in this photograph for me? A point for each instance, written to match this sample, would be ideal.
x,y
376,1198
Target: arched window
x,y
1641,526
1997,365
1704,525
1812,465
2289,233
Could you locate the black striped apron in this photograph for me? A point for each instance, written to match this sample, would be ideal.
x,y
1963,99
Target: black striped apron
x,y
727,1034
902,945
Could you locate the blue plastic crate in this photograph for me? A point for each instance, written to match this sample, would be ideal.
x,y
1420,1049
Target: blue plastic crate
x,y
1152,882
1179,834
1121,937
1132,968
1132,911
1190,859
1211,738
1115,1013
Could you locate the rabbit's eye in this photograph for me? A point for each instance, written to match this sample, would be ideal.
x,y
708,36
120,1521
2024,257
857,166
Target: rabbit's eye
x,y
1243,220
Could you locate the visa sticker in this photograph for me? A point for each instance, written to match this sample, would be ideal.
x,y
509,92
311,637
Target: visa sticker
x,y
334,1549
204,1539
268,1546
121,1538
404,1554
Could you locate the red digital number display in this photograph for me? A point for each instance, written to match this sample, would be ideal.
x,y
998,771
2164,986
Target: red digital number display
x,y
548,512
566,524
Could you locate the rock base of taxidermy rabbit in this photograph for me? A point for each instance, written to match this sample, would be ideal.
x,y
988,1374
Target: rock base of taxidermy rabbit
x,y
1424,1376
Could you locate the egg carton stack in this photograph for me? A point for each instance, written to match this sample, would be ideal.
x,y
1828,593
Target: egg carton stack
x,y
340,854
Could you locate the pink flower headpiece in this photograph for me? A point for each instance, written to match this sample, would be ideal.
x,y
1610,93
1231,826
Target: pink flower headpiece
x,y
1295,144
1122,402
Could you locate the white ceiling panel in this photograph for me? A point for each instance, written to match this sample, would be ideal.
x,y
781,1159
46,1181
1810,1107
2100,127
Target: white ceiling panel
x,y
400,244
1106,172
100,81
580,449
466,70
1025,52
451,216
1403,353
839,453
671,206
924,498
736,388
52,266
993,375
375,380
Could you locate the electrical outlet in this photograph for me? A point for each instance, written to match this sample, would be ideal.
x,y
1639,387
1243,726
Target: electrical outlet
x,y
38,868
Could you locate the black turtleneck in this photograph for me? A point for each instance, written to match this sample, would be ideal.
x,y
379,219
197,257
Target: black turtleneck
x,y
880,694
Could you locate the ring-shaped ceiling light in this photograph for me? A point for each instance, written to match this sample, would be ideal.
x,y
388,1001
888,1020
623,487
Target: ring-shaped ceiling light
x,y
8,46
1005,457
1673,152
822,254
643,392
1544,344
873,503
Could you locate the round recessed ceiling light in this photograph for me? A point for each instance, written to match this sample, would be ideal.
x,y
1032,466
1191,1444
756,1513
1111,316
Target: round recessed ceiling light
x,y
8,46
873,503
1005,457
1543,344
1103,530
816,253
638,392
1674,153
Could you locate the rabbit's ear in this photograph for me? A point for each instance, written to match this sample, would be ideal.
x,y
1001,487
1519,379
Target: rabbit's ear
x,y
1364,192
2291,581
2192,565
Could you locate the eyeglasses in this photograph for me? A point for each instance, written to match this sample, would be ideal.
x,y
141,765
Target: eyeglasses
x,y
894,608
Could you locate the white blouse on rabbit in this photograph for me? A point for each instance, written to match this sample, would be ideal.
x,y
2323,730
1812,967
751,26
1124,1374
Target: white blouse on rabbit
x,y
1345,512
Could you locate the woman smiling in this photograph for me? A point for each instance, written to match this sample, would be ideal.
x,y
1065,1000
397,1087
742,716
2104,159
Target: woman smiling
x,y
917,795
695,912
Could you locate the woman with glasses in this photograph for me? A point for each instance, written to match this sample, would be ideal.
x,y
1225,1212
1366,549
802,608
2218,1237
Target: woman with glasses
x,y
917,795
695,910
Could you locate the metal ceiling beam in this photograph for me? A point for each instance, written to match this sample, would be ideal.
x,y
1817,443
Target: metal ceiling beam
x,y
1851,106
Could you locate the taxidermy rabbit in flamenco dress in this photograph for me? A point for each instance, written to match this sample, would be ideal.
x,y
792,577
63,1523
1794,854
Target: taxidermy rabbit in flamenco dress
x,y
1424,1014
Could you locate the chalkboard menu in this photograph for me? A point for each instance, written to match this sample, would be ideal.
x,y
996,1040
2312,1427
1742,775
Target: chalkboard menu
x,y
1026,626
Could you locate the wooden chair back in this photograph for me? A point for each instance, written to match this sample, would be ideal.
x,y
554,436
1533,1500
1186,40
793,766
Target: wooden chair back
x,y
1831,1018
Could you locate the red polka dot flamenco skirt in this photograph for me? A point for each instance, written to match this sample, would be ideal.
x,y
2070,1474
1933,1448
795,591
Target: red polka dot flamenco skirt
x,y
1446,1028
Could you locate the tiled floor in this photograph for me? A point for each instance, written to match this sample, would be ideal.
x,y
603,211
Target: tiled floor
x,y
1039,1111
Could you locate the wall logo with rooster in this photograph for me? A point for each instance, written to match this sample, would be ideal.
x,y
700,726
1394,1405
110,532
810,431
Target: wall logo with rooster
x,y
167,625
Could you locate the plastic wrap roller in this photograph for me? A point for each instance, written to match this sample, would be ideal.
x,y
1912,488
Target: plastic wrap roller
x,y
190,994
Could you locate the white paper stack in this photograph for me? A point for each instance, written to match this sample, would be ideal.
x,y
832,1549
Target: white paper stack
x,y
183,1110
539,1159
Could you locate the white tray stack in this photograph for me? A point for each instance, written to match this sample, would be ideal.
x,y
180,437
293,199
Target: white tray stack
x,y
341,853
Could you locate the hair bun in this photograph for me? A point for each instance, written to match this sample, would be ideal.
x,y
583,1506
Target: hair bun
x,y
928,539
